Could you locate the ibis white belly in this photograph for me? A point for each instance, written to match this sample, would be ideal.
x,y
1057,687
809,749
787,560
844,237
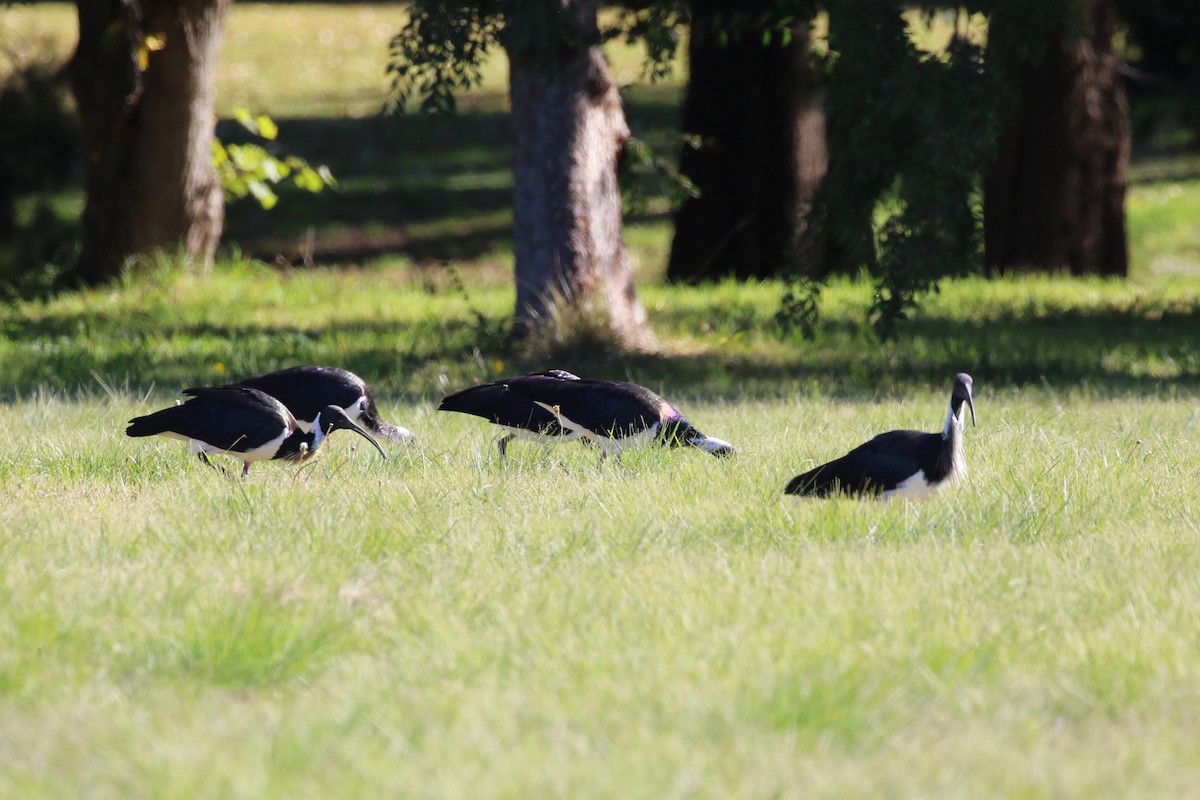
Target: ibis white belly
x,y
541,438
263,452
914,487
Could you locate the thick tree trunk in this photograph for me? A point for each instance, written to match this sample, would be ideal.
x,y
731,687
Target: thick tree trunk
x,y
1055,197
757,110
142,76
569,129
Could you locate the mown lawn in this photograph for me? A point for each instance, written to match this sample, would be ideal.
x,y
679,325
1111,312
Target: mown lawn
x,y
445,624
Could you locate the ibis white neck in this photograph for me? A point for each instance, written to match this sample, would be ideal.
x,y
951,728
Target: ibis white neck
x,y
952,434
318,435
953,423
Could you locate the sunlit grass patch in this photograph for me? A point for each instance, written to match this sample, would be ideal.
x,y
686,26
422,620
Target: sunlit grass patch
x,y
548,623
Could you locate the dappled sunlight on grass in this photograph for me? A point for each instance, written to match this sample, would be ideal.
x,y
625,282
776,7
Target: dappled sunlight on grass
x,y
404,328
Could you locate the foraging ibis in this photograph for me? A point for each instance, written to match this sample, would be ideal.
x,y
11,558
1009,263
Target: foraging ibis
x,y
519,416
613,414
245,423
307,390
898,463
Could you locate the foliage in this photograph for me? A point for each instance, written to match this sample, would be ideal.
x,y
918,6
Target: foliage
x,y
773,22
910,132
655,25
440,50
250,169
443,46
640,158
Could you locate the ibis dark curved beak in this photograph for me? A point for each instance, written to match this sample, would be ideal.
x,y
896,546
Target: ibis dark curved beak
x,y
962,394
709,444
350,425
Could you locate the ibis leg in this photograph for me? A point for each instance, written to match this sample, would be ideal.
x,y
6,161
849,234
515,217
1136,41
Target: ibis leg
x,y
204,460
503,443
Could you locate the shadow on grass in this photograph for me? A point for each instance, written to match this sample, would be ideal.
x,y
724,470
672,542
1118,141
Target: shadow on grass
x,y
1107,353
429,187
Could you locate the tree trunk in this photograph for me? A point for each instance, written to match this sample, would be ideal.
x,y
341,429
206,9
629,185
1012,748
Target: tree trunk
x,y
142,77
569,130
758,113
1055,197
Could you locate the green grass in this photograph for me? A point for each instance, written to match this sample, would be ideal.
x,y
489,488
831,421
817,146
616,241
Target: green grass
x,y
443,624
407,328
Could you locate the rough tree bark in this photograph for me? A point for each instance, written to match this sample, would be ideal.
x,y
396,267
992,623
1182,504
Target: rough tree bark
x,y
570,132
142,76
1055,197
758,112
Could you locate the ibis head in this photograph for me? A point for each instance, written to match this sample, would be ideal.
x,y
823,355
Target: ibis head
x,y
678,433
332,418
962,394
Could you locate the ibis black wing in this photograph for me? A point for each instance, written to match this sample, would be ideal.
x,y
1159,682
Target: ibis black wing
x,y
498,404
223,417
167,420
607,408
306,390
871,468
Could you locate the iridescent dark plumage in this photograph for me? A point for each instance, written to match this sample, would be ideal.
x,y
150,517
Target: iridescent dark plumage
x,y
244,423
308,389
897,463
612,414
519,416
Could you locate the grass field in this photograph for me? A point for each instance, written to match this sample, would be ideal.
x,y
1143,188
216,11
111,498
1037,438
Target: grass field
x,y
444,624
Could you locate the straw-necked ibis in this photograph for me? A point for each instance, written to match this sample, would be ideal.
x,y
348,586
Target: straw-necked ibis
x,y
898,463
520,417
244,423
307,390
613,414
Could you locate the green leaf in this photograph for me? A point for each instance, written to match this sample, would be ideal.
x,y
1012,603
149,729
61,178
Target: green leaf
x,y
248,157
267,128
235,186
308,180
263,194
249,169
273,170
245,119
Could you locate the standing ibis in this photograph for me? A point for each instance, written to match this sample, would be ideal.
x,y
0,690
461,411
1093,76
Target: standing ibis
x,y
898,463
613,414
520,417
307,390
244,423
